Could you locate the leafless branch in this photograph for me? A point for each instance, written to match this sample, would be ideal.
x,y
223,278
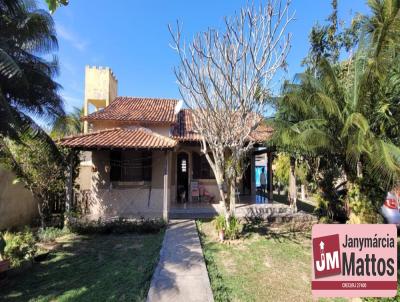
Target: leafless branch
x,y
225,78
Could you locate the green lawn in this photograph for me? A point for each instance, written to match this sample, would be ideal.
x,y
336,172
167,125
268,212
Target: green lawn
x,y
265,265
90,268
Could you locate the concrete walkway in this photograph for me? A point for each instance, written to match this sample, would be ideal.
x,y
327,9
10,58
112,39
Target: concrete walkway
x,y
181,274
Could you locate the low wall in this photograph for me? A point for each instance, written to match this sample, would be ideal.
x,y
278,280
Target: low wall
x,y
129,200
17,206
127,203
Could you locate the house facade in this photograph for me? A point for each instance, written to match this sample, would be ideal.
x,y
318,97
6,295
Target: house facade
x,y
140,157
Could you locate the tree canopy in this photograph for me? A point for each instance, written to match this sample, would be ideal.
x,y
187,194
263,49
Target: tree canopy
x,y
27,88
347,112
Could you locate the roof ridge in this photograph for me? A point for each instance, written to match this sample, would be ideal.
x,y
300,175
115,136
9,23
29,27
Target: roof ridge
x,y
146,98
141,109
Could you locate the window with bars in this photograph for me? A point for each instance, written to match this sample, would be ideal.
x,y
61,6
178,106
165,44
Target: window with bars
x,y
130,165
201,167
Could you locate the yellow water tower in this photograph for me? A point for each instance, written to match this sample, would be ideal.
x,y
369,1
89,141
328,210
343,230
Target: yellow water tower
x,y
100,90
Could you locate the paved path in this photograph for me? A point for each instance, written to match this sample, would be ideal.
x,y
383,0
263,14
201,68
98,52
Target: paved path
x,y
181,274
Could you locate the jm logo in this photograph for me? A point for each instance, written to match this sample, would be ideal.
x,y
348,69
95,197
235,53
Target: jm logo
x,y
328,260
326,255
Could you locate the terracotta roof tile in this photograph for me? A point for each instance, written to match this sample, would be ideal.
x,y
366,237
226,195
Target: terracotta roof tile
x,y
184,129
261,133
151,110
136,138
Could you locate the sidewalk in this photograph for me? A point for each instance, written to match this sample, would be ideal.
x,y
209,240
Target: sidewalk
x,y
181,274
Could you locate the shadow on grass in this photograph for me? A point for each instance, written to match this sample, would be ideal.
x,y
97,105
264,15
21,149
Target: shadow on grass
x,y
286,232
90,268
301,205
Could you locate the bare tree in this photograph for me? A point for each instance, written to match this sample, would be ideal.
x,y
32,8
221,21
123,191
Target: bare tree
x,y
225,78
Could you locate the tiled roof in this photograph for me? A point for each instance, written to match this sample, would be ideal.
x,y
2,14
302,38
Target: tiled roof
x,y
136,138
261,133
184,129
150,110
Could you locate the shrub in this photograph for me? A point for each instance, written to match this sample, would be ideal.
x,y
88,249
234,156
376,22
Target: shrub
x,y
363,209
330,209
220,223
321,210
19,246
51,233
325,220
282,169
232,229
119,226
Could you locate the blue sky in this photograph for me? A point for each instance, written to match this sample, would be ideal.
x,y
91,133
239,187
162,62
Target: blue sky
x,y
132,38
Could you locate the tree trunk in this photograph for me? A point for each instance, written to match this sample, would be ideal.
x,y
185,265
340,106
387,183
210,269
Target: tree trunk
x,y
41,213
42,223
69,193
359,169
222,188
227,191
232,197
292,184
69,190
303,192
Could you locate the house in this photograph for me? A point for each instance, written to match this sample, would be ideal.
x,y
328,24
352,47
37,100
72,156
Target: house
x,y
141,156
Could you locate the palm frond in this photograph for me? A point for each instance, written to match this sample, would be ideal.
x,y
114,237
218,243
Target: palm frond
x,y
355,120
385,162
8,67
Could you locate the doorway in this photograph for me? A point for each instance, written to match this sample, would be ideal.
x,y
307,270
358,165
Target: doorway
x,y
182,177
246,189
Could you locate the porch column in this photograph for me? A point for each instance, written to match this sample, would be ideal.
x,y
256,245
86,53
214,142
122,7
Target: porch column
x,y
165,193
270,180
253,174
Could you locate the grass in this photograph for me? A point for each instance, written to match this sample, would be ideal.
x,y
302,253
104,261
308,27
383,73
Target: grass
x,y
264,265
258,267
89,268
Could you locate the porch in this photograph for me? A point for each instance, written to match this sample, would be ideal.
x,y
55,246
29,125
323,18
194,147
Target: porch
x,y
247,206
138,173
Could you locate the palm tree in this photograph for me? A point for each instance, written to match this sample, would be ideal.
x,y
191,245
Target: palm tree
x,y
69,124
27,87
347,113
27,90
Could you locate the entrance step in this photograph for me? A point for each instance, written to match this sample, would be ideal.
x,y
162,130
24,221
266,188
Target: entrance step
x,y
193,213
268,212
